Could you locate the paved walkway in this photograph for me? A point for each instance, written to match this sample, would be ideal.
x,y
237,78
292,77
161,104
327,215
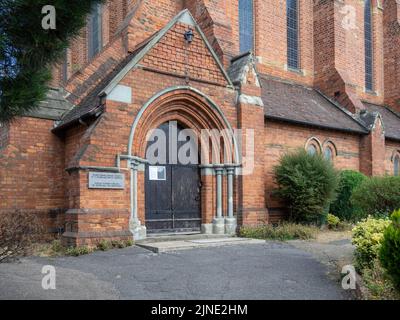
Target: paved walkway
x,y
266,270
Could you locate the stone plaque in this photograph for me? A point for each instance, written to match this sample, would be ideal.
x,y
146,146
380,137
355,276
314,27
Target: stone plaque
x,y
106,180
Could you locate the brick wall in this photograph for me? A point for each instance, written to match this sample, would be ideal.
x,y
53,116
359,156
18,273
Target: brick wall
x,y
331,45
340,52
219,22
173,55
372,151
31,171
391,20
271,40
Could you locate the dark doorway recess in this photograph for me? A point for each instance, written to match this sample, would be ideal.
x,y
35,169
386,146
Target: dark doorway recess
x,y
172,192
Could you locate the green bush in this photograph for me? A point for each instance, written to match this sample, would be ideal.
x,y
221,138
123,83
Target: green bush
x,y
281,232
390,250
333,221
307,183
368,237
343,208
378,196
78,251
104,245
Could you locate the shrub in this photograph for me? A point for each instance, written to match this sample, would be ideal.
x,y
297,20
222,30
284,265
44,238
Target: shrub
x,y
104,245
333,221
390,250
78,251
281,232
342,207
18,231
307,183
368,237
380,287
378,196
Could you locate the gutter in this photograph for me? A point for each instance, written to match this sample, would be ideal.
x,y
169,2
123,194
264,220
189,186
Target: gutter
x,y
303,123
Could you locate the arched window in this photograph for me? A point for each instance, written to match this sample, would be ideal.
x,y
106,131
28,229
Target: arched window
x,y
313,146
396,165
368,46
312,150
292,13
328,154
330,150
95,31
246,25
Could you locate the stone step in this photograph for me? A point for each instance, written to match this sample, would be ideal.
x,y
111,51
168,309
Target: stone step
x,y
161,237
176,245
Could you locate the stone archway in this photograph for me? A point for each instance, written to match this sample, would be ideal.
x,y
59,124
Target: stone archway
x,y
196,111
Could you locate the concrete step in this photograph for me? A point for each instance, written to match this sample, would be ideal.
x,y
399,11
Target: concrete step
x,y
162,237
184,244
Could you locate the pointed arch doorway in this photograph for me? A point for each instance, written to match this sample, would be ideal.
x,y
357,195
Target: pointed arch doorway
x,y
172,188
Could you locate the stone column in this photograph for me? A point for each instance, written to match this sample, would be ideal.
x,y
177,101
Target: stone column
x,y
230,220
219,222
138,231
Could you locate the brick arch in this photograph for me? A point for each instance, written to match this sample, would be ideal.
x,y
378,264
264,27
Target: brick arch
x,y
330,144
188,106
314,141
395,153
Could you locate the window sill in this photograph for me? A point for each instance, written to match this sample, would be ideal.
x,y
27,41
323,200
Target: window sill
x,y
295,70
371,92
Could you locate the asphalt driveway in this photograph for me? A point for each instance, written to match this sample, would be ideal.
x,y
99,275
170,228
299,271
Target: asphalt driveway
x,y
253,271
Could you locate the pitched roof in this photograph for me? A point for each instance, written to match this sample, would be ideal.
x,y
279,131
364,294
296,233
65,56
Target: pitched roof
x,y
391,120
298,104
238,66
91,104
54,107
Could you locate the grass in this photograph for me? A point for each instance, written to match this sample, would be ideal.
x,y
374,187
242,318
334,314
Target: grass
x,y
281,232
56,249
378,285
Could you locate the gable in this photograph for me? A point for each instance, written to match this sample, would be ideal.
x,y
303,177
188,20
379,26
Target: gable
x,y
174,56
165,50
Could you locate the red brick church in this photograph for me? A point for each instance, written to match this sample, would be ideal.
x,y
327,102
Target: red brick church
x,y
323,75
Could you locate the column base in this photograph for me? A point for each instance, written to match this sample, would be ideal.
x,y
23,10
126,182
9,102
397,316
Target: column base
x,y
207,228
219,226
138,231
230,226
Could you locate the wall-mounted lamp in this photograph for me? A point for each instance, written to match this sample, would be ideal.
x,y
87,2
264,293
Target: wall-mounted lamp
x,y
189,35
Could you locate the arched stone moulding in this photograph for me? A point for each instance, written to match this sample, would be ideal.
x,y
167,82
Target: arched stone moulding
x,y
196,111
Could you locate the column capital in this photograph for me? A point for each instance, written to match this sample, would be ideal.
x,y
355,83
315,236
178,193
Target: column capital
x,y
230,170
134,164
219,170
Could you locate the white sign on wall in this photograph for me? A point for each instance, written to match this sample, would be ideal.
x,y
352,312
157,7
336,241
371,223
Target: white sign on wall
x,y
106,180
157,173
